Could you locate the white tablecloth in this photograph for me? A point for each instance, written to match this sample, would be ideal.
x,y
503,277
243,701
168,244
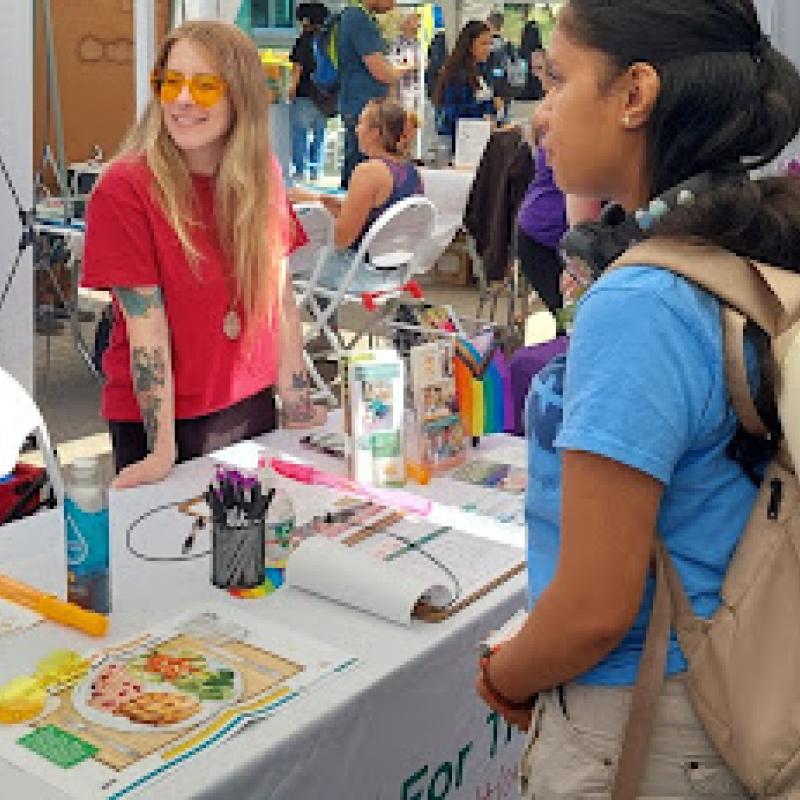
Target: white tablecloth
x,y
404,725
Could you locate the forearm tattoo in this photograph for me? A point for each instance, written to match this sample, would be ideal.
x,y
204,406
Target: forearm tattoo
x,y
297,406
137,302
148,370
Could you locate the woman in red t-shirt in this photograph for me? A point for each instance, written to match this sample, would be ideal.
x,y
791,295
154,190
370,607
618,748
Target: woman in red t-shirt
x,y
189,228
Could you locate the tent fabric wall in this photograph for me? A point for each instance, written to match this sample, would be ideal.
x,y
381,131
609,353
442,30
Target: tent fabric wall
x,y
16,96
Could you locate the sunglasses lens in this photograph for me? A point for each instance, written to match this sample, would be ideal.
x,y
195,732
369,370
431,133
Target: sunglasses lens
x,y
171,85
206,90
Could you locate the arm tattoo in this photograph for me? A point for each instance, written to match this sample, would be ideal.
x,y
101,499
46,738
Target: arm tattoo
x,y
147,367
300,380
137,302
297,407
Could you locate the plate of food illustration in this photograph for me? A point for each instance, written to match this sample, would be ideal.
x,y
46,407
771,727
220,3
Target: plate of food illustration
x,y
158,690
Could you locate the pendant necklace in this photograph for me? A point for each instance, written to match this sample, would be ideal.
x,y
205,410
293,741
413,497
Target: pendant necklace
x,y
232,324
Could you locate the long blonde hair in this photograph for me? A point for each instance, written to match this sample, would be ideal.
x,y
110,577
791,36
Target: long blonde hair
x,y
248,232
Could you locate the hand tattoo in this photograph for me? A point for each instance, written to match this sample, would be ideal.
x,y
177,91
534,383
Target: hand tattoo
x,y
300,380
147,366
137,302
299,409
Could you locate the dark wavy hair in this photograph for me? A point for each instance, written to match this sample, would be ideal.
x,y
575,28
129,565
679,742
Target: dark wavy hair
x,y
729,102
460,64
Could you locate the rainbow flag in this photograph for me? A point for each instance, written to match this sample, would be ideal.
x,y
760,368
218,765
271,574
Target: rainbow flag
x,y
483,385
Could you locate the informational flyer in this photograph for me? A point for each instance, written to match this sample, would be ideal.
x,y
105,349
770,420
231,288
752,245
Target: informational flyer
x,y
159,700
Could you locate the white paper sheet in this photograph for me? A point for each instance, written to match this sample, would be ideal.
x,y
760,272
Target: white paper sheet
x,y
14,618
471,138
388,572
355,578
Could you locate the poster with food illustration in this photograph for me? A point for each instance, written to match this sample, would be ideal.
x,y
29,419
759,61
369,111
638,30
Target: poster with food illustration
x,y
109,723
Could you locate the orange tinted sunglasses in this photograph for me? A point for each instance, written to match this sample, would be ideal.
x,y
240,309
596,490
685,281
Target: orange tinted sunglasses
x,y
205,89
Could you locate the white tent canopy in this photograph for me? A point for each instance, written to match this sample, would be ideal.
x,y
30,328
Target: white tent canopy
x,y
781,22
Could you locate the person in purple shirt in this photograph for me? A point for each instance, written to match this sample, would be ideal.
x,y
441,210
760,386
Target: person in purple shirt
x,y
541,222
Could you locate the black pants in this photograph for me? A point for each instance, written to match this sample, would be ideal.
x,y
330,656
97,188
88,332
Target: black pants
x,y
352,154
200,435
542,267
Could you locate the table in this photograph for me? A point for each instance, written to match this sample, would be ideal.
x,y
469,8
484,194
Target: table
x,y
405,724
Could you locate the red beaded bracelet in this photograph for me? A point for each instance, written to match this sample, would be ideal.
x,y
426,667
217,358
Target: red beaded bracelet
x,y
499,699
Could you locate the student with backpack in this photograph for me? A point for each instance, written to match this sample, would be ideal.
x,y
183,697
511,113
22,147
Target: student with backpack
x,y
364,72
306,117
659,482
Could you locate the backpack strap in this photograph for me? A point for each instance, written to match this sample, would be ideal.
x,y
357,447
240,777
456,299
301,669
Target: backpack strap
x,y
635,746
767,295
670,605
733,325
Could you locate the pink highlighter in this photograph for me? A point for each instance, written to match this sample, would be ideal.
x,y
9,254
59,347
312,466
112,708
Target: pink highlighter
x,y
391,498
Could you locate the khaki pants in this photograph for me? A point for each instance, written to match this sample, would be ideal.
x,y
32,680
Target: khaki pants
x,y
574,756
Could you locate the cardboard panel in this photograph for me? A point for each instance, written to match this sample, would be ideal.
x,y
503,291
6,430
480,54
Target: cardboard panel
x,y
95,58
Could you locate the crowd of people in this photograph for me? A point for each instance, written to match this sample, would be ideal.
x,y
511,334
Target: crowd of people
x,y
630,433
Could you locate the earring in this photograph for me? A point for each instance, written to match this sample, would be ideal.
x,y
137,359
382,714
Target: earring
x,y
626,121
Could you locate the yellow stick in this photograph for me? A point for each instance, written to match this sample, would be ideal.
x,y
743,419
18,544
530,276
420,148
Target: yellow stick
x,y
50,607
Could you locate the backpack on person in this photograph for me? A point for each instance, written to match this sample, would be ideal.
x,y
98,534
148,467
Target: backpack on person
x,y
325,78
742,662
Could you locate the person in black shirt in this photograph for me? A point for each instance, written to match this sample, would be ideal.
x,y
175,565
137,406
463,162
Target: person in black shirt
x,y
530,50
306,118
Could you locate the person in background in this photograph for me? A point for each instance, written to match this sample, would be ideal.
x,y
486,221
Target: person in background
x,y
462,91
385,130
437,55
537,75
188,227
532,53
541,223
631,435
407,53
364,71
308,123
501,52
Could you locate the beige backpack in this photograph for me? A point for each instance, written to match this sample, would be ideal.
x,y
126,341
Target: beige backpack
x,y
743,663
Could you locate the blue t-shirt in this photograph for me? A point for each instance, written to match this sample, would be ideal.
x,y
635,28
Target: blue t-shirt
x,y
460,101
359,36
643,384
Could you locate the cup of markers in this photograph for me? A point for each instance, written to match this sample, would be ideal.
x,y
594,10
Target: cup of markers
x,y
238,518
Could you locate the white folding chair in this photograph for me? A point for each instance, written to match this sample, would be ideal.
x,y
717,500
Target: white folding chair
x,y
305,264
21,417
306,261
391,251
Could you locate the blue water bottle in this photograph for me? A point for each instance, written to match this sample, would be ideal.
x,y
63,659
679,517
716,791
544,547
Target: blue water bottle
x,y
87,536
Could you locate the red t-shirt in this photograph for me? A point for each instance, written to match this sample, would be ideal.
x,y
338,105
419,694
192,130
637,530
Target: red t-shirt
x,y
129,243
